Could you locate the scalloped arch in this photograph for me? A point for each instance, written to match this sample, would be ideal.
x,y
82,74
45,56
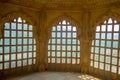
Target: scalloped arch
x,y
106,16
10,16
64,16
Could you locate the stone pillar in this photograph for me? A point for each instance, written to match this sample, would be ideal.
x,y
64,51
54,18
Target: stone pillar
x,y
42,42
85,43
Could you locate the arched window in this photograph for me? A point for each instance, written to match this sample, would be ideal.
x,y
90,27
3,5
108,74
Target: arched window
x,y
63,45
17,47
105,47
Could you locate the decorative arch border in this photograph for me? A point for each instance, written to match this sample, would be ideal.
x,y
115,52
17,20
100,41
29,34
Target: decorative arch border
x,y
15,14
105,16
64,16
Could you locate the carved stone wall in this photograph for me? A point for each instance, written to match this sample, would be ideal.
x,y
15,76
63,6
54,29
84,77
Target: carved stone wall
x,y
42,20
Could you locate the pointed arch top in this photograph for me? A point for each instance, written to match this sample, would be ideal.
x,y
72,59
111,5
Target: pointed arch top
x,y
105,16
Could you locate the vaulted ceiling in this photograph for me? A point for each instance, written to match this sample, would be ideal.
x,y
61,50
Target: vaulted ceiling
x,y
63,4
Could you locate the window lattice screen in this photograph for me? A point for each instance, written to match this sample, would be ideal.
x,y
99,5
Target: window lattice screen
x,y
63,46
105,48
17,47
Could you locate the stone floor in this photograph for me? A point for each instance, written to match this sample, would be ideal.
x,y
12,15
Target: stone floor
x,y
55,76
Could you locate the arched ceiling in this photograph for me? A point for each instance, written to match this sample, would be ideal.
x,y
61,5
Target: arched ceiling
x,y
63,4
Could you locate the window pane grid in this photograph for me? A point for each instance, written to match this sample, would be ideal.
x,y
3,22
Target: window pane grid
x,y
106,47
16,45
63,47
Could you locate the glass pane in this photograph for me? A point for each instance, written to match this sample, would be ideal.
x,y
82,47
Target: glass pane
x,y
53,34
30,41
19,56
73,61
115,36
58,34
58,28
73,54
13,49
13,41
7,25
109,28
53,60
63,47
116,27
63,34
1,58
103,43
115,53
98,28
19,26
109,35
53,54
13,33
68,41
58,41
29,61
13,56
74,35
6,41
25,48
107,67
114,61
58,60
63,54
68,54
58,47
107,59
108,44
103,28
30,34
64,28
29,55
6,57
97,35
1,66
114,69
13,64
24,55
19,63
115,44
19,33
6,33
6,50
30,48
96,64
68,60
30,27
58,54
24,62
74,29
101,66
24,41
53,28
108,51
69,35
102,58
6,65
63,41
19,48
69,28
102,35
25,26
24,34
19,41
